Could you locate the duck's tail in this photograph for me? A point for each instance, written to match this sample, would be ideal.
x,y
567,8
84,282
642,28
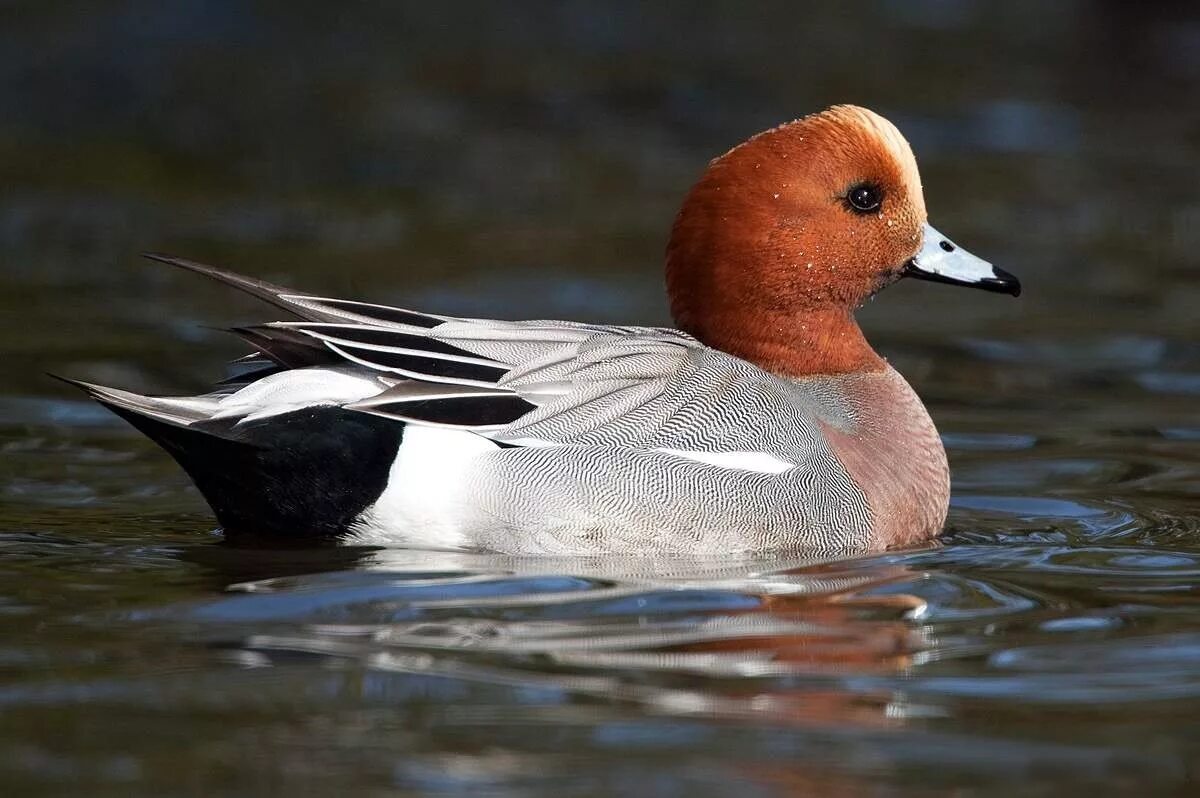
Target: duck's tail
x,y
311,471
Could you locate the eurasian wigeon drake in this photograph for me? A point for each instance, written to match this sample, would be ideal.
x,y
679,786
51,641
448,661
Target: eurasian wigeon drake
x,y
766,423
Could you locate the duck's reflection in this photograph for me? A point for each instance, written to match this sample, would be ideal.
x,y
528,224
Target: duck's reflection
x,y
776,641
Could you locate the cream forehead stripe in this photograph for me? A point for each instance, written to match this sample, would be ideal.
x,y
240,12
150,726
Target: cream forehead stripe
x,y
890,137
875,125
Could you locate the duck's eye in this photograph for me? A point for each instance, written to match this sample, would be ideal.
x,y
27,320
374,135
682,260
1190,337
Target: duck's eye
x,y
865,197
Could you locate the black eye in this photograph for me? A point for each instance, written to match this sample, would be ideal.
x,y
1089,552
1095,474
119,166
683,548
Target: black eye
x,y
865,197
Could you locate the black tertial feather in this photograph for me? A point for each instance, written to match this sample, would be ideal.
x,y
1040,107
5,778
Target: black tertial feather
x,y
379,336
286,347
462,411
422,367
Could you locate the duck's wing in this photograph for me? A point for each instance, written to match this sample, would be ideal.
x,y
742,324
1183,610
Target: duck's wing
x,y
546,383
530,382
565,381
522,382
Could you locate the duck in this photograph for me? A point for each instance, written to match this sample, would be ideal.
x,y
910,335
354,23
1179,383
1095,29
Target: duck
x,y
763,423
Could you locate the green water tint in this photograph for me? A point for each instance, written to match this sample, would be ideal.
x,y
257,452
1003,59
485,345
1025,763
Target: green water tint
x,y
467,162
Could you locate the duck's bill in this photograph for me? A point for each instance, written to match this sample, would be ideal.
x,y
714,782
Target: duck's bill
x,y
943,261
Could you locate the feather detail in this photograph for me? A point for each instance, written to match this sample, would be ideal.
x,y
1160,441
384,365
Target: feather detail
x,y
475,408
311,308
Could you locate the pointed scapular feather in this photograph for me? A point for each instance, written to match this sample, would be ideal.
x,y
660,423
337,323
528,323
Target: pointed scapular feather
x,y
307,307
447,405
367,312
285,348
584,410
420,367
382,339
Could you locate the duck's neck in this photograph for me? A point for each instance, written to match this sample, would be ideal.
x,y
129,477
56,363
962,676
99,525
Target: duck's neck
x,y
801,343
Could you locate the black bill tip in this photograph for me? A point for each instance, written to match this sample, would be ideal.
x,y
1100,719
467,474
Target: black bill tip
x,y
1003,283
999,281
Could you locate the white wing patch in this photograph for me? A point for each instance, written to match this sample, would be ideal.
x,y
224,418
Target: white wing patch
x,y
297,389
758,462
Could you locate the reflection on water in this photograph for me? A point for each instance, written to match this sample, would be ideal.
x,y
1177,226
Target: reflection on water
x,y
471,161
973,663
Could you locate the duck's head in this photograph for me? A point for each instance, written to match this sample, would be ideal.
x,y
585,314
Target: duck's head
x,y
787,233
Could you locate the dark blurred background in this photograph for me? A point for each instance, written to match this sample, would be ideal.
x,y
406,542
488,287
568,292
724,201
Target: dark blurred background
x,y
526,160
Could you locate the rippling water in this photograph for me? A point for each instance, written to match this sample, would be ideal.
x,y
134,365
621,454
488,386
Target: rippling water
x,y
471,162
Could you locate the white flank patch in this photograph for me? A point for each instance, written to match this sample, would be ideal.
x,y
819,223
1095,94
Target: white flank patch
x,y
422,503
297,389
759,462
